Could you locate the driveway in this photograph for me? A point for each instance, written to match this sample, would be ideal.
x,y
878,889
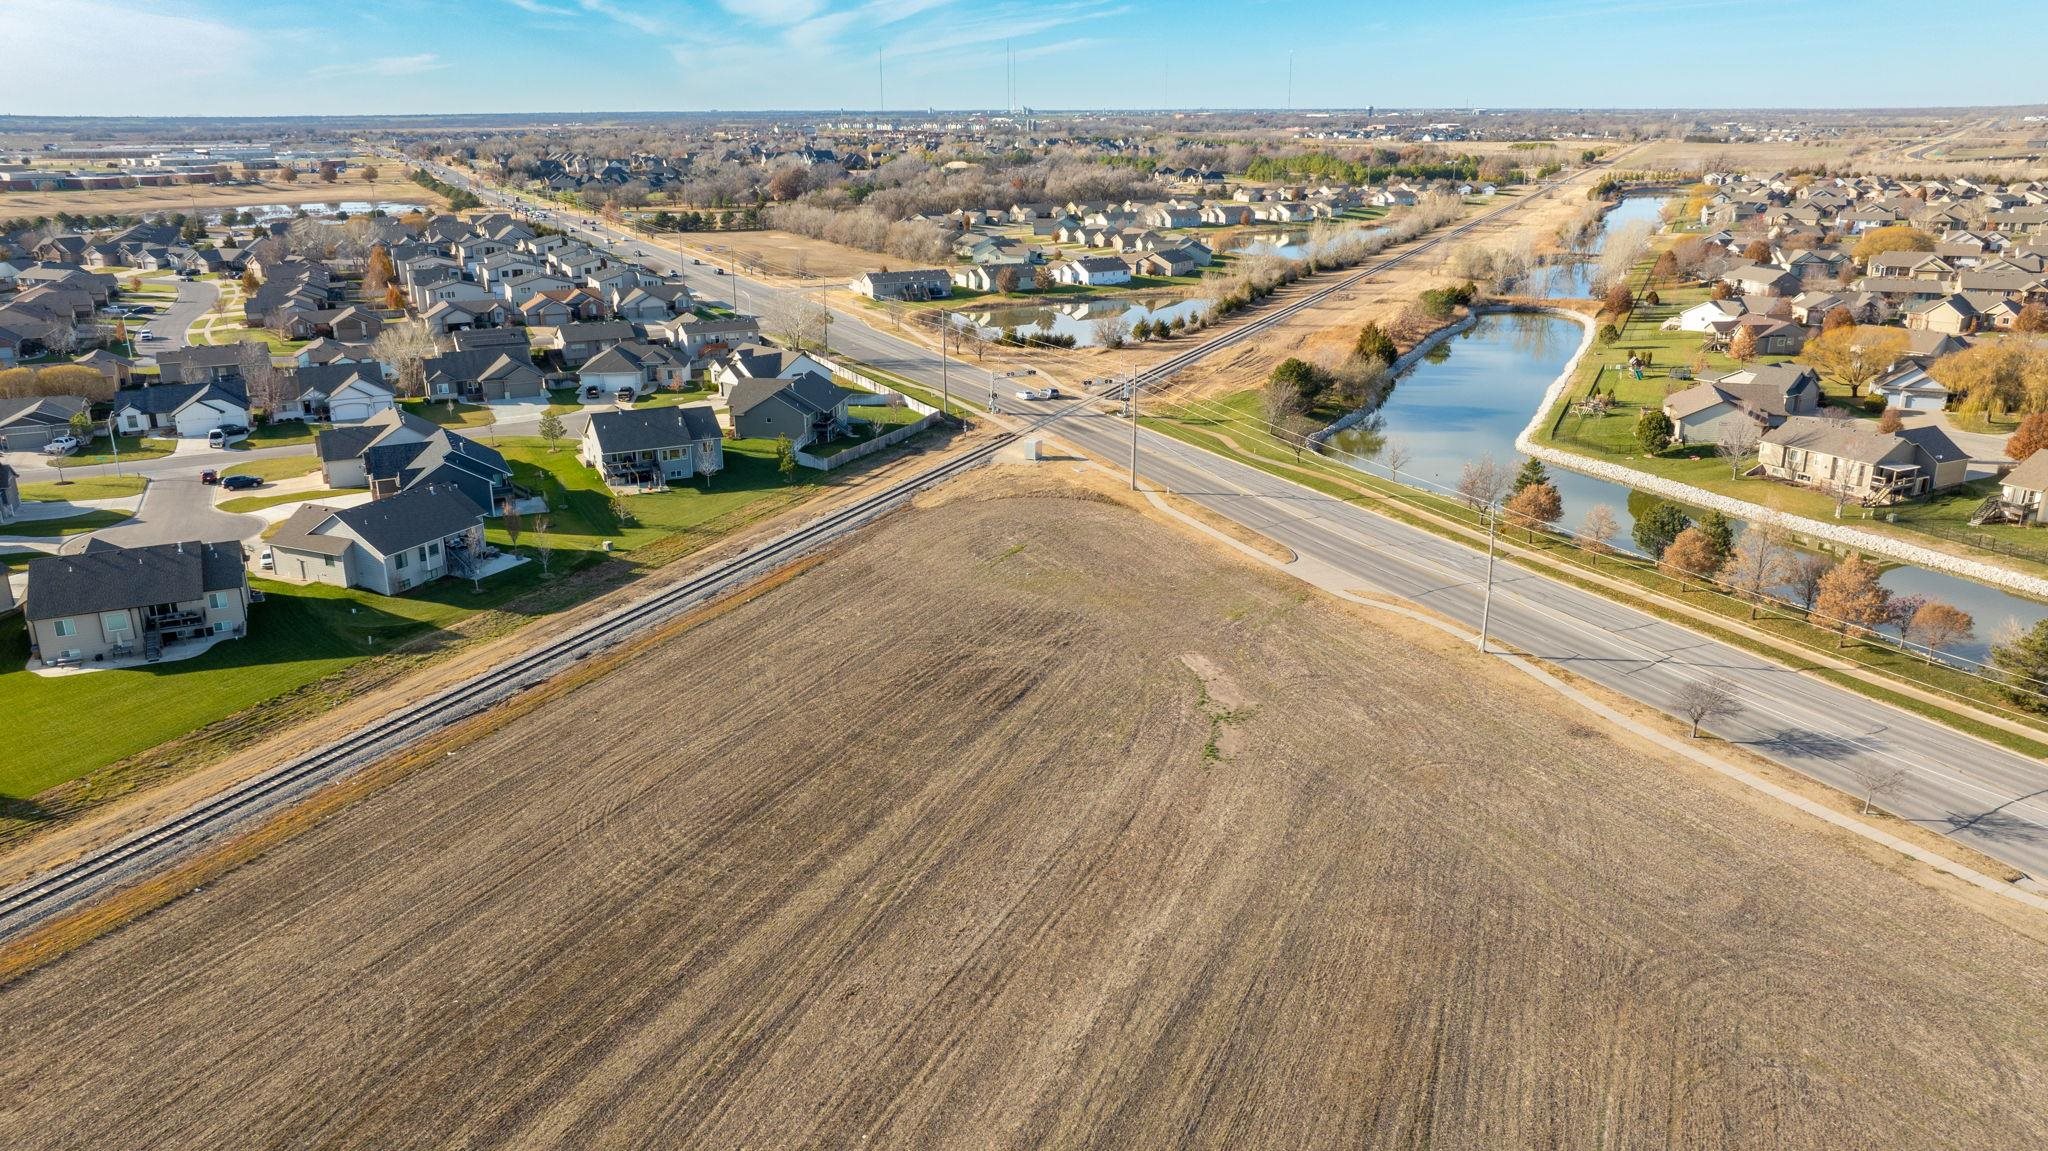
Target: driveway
x,y
175,509
1987,452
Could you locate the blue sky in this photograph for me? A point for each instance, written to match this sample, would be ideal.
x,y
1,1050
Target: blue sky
x,y
233,57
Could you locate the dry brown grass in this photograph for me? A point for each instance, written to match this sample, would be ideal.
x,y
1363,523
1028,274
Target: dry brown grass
x,y
210,198
1027,822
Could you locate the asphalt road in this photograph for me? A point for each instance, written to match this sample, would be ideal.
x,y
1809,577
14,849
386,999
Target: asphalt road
x,y
1993,799
1990,798
175,509
195,299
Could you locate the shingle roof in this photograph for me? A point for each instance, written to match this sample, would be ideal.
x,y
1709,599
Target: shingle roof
x,y
413,517
162,399
107,577
650,429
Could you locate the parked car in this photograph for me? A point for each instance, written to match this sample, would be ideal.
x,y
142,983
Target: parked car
x,y
61,446
209,476
226,434
240,483
1036,394
267,561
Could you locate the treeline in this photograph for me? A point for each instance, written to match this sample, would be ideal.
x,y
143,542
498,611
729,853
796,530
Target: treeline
x,y
458,198
693,221
26,383
866,229
1380,166
1257,277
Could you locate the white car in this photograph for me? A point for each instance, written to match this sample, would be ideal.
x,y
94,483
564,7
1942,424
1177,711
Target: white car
x,y
61,446
1039,394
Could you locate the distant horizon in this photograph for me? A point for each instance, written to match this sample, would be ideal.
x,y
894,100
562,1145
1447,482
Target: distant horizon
x,y
1036,110
295,58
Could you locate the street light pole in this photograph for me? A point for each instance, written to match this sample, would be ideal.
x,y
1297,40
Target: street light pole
x,y
945,366
115,440
1131,407
1486,604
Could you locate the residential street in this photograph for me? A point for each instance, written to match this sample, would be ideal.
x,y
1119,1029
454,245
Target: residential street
x,y
195,299
174,509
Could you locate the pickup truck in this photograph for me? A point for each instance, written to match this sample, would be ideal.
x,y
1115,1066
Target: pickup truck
x,y
61,446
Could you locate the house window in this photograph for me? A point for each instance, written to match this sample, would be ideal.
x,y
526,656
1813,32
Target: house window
x,y
434,549
401,561
115,624
423,553
65,628
218,600
329,559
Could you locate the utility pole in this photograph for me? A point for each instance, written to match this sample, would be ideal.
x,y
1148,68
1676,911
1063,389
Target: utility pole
x,y
114,439
1131,407
1486,604
945,367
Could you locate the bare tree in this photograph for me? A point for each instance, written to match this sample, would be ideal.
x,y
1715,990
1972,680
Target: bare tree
x,y
1802,574
1758,565
406,347
543,542
1482,482
800,323
1598,527
260,376
1705,699
1109,331
1738,440
1878,779
1395,455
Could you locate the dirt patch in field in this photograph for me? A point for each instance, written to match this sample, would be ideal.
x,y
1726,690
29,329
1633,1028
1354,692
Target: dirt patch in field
x,y
1034,822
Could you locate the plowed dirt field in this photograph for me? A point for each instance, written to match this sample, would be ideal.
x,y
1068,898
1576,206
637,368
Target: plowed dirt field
x,y
1032,822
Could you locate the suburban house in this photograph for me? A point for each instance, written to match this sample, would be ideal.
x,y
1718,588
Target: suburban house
x,y
395,451
698,336
1909,388
2020,494
1859,463
388,546
1773,336
579,342
1952,315
1715,317
1093,271
482,374
111,602
644,448
1765,396
199,364
806,408
1165,262
27,424
920,284
341,393
1761,280
10,495
182,409
761,362
631,369
116,369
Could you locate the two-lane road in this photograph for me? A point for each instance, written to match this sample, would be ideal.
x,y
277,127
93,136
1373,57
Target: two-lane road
x,y
1990,798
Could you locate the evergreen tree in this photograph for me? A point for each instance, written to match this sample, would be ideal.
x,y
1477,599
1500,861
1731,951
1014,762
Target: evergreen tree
x,y
1533,472
1658,526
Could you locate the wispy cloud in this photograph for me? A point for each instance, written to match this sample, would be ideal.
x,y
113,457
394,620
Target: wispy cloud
x,y
47,38
386,66
638,21
775,12
539,9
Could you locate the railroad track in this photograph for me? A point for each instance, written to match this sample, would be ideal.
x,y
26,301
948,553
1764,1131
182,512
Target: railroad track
x,y
44,896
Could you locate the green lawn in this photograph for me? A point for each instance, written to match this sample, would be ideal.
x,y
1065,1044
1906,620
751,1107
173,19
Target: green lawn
x,y
276,467
296,636
672,399
449,414
581,509
132,448
1612,437
91,521
290,433
101,487
243,504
